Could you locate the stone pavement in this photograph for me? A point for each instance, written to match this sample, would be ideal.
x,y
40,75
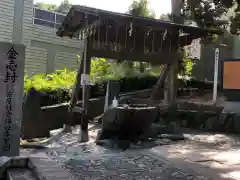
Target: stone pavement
x,y
216,156
203,156
101,164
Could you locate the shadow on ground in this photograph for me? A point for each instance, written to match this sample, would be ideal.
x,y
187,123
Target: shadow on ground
x,y
212,155
199,156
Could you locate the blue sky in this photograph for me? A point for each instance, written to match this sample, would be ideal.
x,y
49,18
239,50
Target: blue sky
x,y
158,6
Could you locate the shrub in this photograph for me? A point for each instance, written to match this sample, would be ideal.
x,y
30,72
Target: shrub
x,y
62,79
59,85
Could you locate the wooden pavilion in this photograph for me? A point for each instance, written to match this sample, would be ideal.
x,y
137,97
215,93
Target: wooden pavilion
x,y
125,37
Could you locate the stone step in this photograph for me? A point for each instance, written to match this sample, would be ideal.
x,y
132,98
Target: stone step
x,y
47,169
19,174
34,167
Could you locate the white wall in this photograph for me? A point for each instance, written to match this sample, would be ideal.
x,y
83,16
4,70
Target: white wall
x,y
41,41
6,20
36,60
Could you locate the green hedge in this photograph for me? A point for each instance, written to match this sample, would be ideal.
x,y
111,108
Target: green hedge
x,y
61,79
101,69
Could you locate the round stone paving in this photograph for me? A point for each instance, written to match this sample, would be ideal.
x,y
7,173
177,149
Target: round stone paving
x,y
93,162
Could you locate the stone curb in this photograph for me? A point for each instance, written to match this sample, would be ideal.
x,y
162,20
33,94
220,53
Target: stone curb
x,y
19,174
13,162
42,167
47,169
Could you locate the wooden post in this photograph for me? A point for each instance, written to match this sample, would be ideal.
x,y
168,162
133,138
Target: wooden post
x,y
161,79
75,96
170,87
172,83
142,67
85,91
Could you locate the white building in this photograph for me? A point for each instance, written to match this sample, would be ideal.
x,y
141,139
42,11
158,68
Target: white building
x,y
36,29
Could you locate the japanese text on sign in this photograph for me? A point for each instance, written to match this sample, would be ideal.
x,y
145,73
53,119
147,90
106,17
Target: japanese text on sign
x,y
10,78
7,121
11,66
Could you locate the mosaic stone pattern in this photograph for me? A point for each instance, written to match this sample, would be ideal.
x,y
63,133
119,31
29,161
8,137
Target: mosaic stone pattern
x,y
97,163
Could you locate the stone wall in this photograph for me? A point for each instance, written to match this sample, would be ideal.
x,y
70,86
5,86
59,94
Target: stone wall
x,y
201,117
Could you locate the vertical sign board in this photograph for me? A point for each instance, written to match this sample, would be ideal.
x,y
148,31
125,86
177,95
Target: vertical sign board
x,y
12,59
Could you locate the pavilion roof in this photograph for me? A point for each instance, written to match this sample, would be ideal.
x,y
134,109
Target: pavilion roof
x,y
126,37
75,18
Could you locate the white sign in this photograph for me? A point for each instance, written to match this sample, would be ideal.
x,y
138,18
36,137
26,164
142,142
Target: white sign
x,y
85,79
12,59
215,82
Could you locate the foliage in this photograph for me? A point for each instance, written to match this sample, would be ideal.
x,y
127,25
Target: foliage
x,y
63,8
50,7
140,8
213,13
61,79
188,66
56,87
235,23
165,17
101,69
